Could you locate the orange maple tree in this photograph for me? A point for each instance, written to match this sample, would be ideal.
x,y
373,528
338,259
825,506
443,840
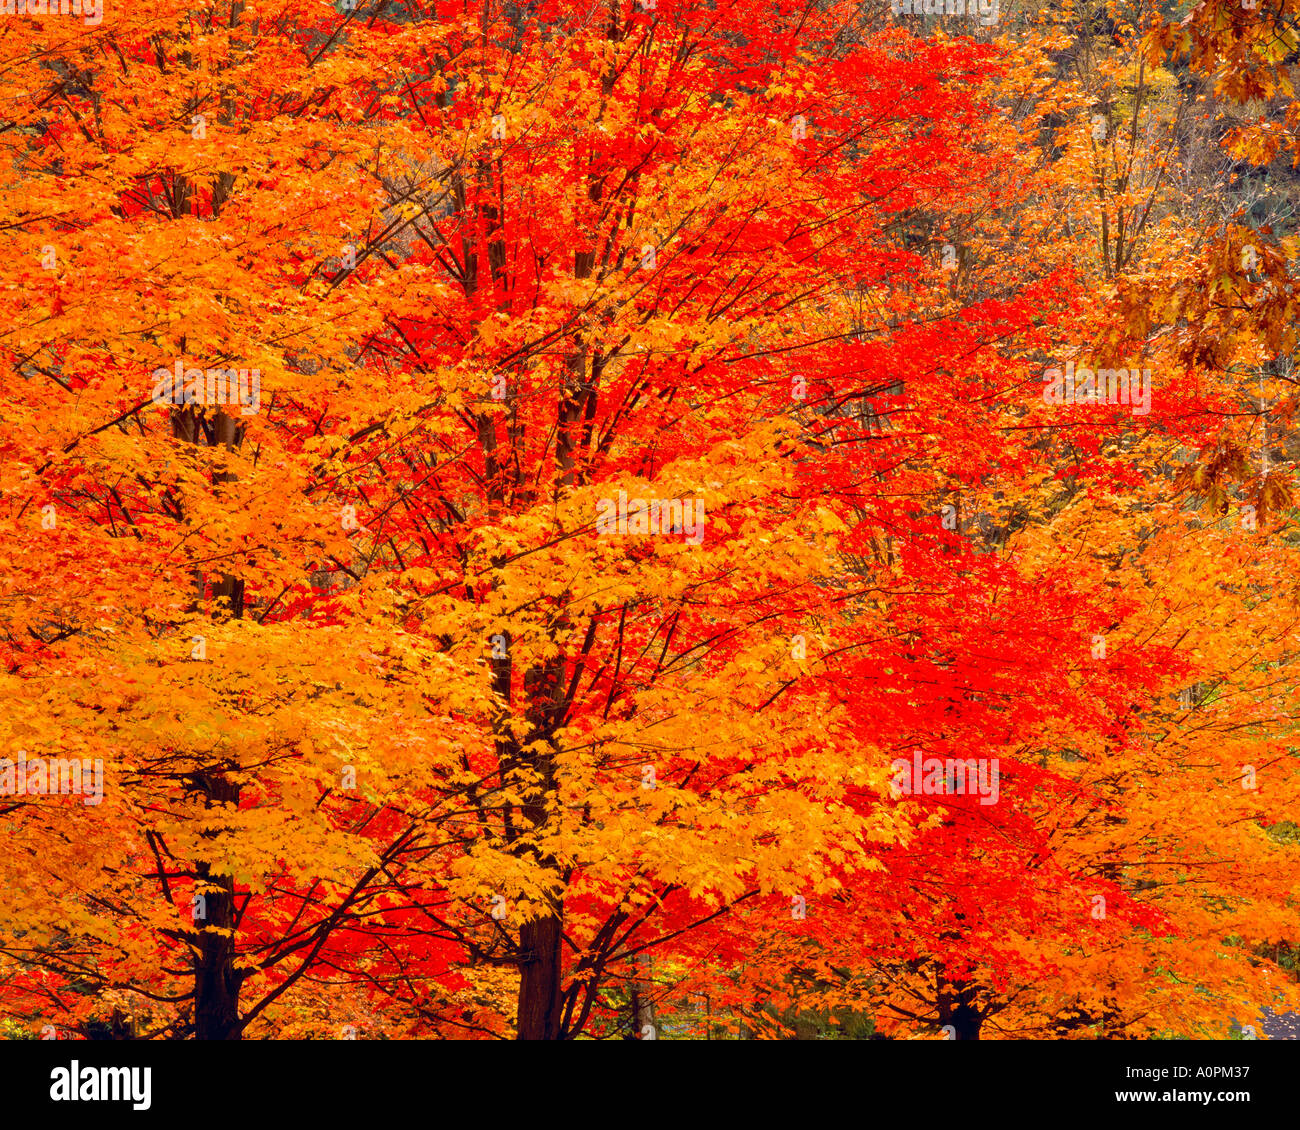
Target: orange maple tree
x,y
497,493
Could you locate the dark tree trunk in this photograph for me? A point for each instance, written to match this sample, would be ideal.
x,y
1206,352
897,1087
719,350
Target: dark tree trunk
x,y
539,980
216,983
958,1009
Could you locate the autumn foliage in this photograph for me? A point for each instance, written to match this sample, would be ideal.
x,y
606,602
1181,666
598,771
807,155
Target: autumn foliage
x,y
517,499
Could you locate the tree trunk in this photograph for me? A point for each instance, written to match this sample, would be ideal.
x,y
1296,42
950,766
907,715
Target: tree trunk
x,y
958,1010
642,1006
539,979
216,981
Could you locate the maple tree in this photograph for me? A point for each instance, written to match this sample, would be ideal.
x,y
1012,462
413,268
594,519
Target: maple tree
x,y
499,491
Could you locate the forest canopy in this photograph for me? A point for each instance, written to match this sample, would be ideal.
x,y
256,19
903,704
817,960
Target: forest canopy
x,y
686,519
